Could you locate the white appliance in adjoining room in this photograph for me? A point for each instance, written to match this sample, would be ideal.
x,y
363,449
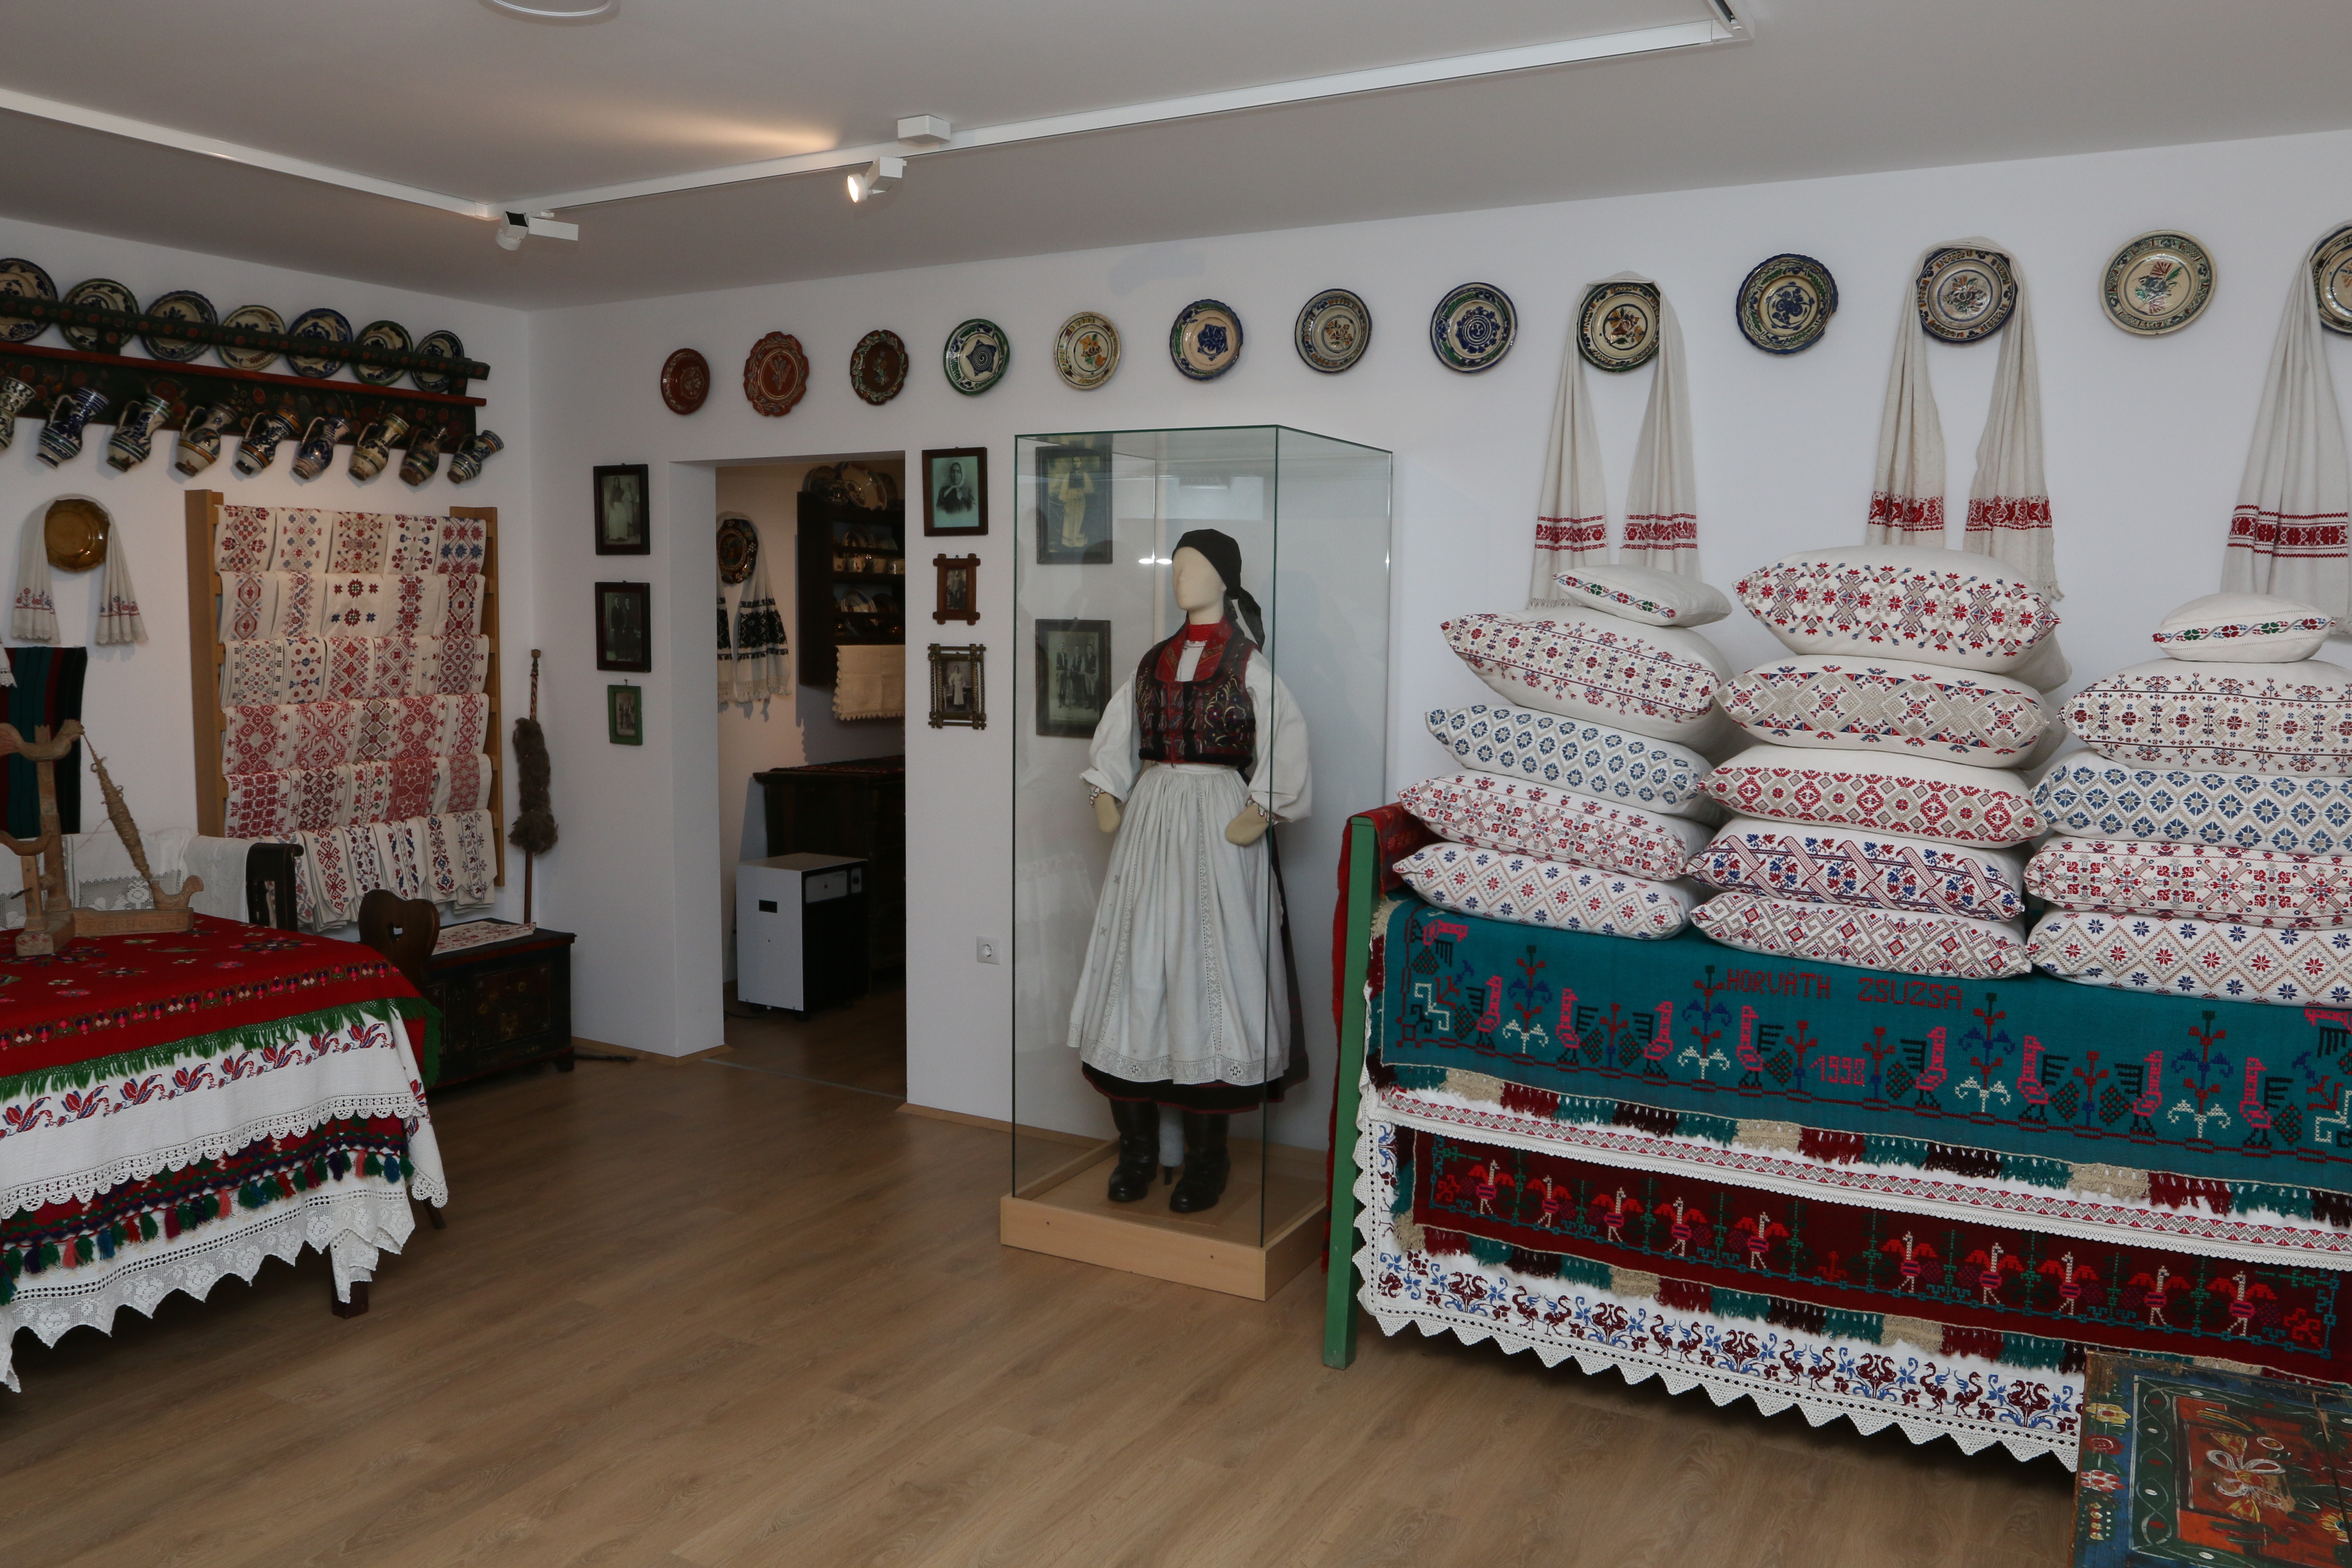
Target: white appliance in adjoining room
x,y
799,930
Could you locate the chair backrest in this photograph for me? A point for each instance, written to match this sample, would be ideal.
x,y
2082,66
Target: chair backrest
x,y
402,929
269,885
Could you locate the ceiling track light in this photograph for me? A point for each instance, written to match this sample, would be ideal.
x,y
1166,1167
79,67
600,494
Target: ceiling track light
x,y
514,226
875,178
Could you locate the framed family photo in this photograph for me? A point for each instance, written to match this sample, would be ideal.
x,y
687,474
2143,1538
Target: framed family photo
x,y
1073,506
624,627
955,491
958,686
623,509
625,715
959,588
1073,671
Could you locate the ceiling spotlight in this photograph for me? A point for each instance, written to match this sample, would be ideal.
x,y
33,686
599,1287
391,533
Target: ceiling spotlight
x,y
875,178
514,226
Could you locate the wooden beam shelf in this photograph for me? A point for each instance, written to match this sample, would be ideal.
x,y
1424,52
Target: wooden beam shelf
x,y
116,328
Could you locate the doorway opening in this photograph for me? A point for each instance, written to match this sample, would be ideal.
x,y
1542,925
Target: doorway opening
x,y
812,768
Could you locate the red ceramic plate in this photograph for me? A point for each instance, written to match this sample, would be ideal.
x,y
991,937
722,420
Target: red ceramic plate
x,y
776,376
685,381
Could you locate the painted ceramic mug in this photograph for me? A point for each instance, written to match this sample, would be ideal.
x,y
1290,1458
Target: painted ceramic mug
x,y
423,458
318,448
14,395
61,436
134,433
478,450
200,439
259,448
373,450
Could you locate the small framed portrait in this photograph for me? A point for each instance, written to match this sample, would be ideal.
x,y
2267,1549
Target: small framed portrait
x,y
958,686
1073,506
1073,677
625,715
959,588
624,618
955,491
623,510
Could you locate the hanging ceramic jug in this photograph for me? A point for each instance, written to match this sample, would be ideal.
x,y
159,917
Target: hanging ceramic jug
x,y
259,448
373,450
134,433
423,458
200,439
14,395
318,448
480,450
61,436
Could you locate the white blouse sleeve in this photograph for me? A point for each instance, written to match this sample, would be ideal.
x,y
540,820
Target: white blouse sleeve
x,y
1280,784
1115,758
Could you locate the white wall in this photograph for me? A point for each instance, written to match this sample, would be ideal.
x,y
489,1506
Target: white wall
x,y
136,703
2146,439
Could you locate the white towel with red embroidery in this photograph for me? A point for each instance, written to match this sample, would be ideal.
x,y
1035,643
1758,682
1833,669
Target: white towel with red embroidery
x,y
2287,534
1661,503
2009,502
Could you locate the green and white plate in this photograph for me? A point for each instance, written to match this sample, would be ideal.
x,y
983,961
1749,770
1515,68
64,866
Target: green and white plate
x,y
443,344
1473,328
2157,284
1786,302
1965,295
1618,327
976,357
1205,340
251,319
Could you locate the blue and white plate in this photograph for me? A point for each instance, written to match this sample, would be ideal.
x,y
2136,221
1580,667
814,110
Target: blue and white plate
x,y
976,357
1205,340
1473,328
1335,328
179,305
1786,302
23,281
98,294
443,344
320,326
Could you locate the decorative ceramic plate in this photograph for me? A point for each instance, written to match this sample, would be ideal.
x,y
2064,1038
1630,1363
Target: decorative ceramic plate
x,y
976,357
775,375
1205,340
250,319
685,381
1786,303
98,294
179,305
739,547
1335,328
443,344
2331,275
1617,327
877,366
74,533
331,328
1086,353
1473,328
23,281
388,335
2157,284
1965,294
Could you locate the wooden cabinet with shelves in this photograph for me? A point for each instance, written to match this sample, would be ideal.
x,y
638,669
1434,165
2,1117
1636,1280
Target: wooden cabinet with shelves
x,y
851,567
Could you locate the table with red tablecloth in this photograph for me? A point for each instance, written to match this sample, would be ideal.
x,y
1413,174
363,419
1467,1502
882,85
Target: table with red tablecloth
x,y
176,1108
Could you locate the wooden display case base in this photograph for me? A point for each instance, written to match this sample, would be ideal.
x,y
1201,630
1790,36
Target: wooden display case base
x,y
1064,1213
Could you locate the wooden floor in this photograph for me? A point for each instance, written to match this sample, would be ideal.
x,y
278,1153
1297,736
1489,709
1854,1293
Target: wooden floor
x,y
710,1314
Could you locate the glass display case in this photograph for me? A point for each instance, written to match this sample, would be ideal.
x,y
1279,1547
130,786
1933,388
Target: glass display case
x,y
1201,701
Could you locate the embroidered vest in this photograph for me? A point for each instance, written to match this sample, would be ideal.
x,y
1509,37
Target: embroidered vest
x,y
1208,719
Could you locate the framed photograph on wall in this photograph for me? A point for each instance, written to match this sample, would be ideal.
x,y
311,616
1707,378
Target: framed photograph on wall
x,y
623,510
955,491
958,686
625,715
1073,677
959,588
625,620
1073,504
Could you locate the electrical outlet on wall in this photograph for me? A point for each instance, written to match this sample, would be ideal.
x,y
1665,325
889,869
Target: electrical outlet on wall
x,y
984,949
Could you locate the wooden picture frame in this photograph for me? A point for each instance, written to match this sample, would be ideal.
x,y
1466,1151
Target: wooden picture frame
x,y
625,715
1073,677
955,491
959,686
624,627
623,509
958,589
1073,501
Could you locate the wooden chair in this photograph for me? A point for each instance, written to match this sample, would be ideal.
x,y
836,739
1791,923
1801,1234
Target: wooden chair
x,y
404,930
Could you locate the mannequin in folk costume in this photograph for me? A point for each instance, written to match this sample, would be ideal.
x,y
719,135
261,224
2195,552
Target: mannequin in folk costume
x,y
1183,1000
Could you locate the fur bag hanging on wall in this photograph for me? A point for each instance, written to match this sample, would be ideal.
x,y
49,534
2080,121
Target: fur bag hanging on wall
x,y
534,826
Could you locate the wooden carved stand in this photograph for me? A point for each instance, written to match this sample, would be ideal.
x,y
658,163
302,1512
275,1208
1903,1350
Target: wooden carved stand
x,y
50,919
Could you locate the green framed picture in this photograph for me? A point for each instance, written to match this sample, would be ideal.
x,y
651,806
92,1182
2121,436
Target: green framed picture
x,y
625,715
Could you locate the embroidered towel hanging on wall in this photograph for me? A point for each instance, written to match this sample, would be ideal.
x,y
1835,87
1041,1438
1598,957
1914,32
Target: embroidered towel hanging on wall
x,y
759,643
726,652
35,617
1661,501
2009,502
2287,533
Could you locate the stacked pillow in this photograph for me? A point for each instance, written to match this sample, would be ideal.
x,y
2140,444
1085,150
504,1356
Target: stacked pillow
x,y
1878,807
2202,843
1581,803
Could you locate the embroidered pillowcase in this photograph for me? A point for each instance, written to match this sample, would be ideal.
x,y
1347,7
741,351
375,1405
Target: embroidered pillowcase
x,y
1531,891
1486,812
1888,871
2202,881
2223,963
1947,606
1576,754
1922,796
1659,681
1644,593
2263,717
1950,946
2244,628
1879,705
2087,797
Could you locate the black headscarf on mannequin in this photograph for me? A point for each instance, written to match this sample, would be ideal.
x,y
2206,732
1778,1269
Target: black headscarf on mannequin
x,y
1219,551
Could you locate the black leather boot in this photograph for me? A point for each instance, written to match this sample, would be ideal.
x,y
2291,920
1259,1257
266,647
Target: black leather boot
x,y
1137,1122
1207,1162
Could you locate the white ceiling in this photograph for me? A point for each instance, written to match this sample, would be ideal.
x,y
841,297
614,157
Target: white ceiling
x,y
453,96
